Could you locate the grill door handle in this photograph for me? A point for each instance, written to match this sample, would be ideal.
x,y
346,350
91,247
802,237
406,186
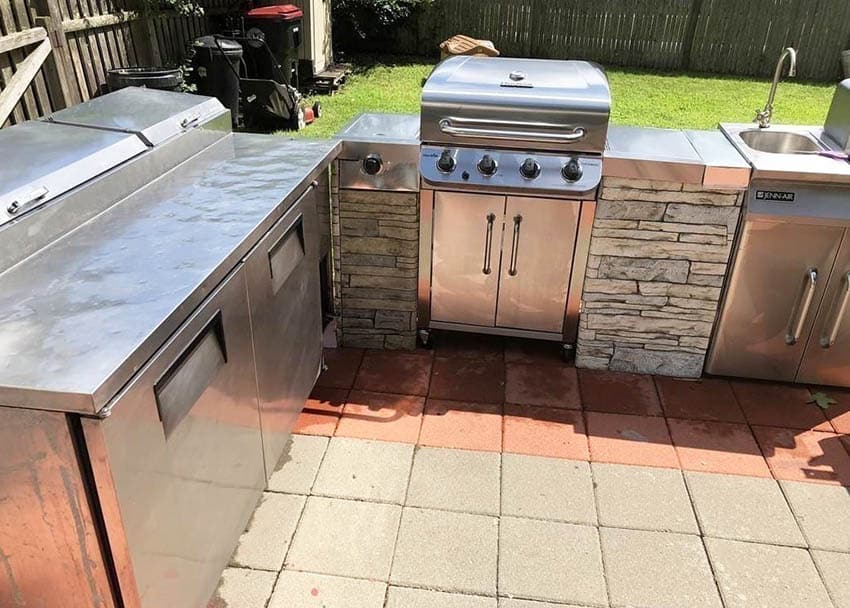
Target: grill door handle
x,y
515,246
840,309
488,243
802,307
497,129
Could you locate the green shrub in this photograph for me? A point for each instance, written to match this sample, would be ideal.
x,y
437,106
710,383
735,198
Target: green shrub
x,y
369,20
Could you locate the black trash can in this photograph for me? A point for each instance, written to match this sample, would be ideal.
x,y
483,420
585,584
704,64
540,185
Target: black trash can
x,y
165,79
215,70
280,27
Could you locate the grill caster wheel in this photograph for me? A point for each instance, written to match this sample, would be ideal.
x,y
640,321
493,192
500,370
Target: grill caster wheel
x,y
425,339
568,353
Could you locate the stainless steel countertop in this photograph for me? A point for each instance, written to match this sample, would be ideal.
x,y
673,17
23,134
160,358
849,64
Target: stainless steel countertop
x,y
79,317
381,127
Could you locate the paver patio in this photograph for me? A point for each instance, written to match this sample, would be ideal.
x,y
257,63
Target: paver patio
x,y
547,490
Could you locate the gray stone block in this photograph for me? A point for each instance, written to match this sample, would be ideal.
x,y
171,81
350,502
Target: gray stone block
x,y
263,545
308,590
673,271
458,480
629,210
394,319
661,363
297,468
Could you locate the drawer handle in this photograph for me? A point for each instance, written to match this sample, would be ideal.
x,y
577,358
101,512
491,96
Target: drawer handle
x,y
286,254
26,200
515,246
488,243
802,307
840,309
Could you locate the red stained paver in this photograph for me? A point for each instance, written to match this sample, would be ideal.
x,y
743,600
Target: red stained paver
x,y
706,399
619,393
469,346
342,365
382,417
470,380
805,455
540,431
322,412
403,373
546,386
533,352
625,439
717,447
781,405
465,426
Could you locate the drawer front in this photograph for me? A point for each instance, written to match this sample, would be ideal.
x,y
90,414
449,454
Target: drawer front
x,y
181,454
286,319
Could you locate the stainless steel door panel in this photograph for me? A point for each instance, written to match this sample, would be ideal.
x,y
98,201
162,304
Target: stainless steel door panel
x,y
778,280
466,257
538,246
286,320
181,450
827,357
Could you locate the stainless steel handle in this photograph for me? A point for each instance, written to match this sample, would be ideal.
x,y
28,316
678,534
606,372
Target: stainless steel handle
x,y
33,196
802,307
841,306
190,121
515,246
525,130
488,243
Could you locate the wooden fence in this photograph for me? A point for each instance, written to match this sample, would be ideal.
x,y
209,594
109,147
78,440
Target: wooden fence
x,y
741,37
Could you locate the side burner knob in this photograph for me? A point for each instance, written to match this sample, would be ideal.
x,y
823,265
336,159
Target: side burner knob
x,y
487,165
572,171
372,164
529,168
446,163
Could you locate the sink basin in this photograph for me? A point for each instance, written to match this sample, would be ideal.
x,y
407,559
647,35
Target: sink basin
x,y
779,142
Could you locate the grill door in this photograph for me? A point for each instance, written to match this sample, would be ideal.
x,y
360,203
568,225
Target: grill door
x,y
466,257
537,254
827,357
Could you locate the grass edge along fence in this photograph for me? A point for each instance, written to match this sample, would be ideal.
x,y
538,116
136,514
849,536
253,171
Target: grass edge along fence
x,y
736,37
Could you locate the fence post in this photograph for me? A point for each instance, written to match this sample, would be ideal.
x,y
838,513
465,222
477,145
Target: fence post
x,y
690,33
56,67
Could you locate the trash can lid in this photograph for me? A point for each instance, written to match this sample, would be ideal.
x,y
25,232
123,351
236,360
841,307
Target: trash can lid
x,y
279,12
222,45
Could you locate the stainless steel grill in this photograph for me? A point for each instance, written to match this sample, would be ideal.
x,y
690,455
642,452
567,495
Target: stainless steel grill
x,y
511,159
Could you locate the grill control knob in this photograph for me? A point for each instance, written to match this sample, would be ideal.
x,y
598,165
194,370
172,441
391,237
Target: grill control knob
x,y
572,171
529,168
487,165
446,163
372,164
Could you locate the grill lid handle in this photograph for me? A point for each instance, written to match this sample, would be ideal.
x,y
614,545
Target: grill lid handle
x,y
500,129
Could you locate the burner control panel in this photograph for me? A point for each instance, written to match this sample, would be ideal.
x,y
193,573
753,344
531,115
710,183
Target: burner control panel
x,y
478,169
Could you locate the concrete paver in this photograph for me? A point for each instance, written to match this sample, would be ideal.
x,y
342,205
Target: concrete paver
x,y
405,597
835,571
308,590
765,576
446,551
658,569
823,513
263,545
547,488
457,480
297,468
643,498
513,603
243,588
345,538
550,561
743,508
367,470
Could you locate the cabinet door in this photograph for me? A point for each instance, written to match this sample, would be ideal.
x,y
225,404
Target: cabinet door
x,y
466,257
827,358
777,284
537,255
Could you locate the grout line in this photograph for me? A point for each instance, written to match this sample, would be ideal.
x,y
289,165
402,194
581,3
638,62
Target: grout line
x,y
594,489
413,454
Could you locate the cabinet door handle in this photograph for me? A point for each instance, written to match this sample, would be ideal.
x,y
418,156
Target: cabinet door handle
x,y
802,307
488,243
515,246
841,306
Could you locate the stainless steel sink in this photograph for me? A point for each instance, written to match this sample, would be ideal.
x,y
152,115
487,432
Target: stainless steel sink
x,y
779,142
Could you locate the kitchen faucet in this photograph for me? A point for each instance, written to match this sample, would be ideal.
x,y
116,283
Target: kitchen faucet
x,y
763,116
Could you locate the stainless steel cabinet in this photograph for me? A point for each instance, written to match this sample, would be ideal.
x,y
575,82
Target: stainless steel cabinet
x,y
502,262
286,318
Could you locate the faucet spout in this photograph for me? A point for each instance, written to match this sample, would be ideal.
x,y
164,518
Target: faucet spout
x,y
763,116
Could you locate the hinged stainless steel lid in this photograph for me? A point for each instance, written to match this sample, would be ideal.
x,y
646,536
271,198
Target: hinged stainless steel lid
x,y
519,103
153,115
42,161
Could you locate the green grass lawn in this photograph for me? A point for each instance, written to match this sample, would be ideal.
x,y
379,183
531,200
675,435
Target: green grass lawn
x,y
642,98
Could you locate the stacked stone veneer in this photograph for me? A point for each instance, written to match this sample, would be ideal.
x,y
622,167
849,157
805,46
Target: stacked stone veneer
x,y
658,257
376,235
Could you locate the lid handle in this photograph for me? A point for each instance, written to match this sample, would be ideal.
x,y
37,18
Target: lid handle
x,y
190,121
500,129
33,196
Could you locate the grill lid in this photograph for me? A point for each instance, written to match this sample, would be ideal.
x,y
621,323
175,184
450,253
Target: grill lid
x,y
43,161
519,103
153,115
